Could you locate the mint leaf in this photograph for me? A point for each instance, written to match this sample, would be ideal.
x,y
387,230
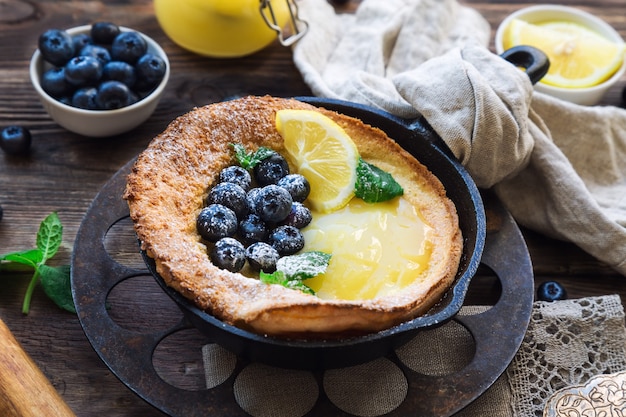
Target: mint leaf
x,y
50,235
292,270
249,160
374,185
304,265
31,257
280,278
55,282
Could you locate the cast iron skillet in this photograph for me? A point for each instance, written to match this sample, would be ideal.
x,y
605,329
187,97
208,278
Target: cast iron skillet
x,y
418,138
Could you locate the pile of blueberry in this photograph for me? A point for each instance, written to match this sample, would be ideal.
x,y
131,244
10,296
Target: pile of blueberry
x,y
255,217
103,70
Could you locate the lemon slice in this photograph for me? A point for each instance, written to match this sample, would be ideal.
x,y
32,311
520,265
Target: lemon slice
x,y
579,57
323,153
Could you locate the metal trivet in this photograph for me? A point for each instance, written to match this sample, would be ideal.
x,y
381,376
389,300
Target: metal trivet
x,y
497,332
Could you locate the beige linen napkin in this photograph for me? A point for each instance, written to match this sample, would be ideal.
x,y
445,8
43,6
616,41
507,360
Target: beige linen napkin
x,y
559,168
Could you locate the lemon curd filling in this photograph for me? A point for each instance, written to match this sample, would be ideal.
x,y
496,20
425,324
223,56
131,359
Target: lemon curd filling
x,y
377,249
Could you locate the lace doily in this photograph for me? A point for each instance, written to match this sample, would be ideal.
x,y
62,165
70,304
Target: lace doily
x,y
567,343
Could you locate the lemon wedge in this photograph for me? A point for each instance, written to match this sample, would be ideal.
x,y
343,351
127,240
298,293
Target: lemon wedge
x,y
323,153
579,57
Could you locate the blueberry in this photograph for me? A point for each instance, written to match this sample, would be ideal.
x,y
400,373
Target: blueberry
x,y
300,216
56,46
99,52
150,71
271,169
273,203
287,240
252,197
297,185
53,82
229,254
229,195
128,47
81,40
252,229
15,140
262,256
237,175
85,98
82,71
119,71
104,32
65,100
215,222
1,213
113,95
551,291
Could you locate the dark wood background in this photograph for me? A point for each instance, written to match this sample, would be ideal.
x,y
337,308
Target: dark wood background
x,y
64,172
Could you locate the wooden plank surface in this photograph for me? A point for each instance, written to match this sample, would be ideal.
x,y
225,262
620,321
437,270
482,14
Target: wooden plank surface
x,y
65,171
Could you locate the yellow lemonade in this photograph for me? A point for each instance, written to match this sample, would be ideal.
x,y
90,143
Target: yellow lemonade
x,y
218,28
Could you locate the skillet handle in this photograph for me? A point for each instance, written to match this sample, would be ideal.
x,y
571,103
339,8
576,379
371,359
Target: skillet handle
x,y
532,59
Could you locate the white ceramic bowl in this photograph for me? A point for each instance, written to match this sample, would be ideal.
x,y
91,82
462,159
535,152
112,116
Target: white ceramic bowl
x,y
533,14
98,123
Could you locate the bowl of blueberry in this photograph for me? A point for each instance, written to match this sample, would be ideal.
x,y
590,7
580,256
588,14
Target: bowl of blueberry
x,y
99,80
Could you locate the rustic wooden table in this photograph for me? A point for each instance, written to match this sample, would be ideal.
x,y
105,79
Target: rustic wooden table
x,y
64,172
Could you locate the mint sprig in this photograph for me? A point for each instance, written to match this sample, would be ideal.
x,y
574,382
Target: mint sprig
x,y
55,281
292,270
373,185
249,160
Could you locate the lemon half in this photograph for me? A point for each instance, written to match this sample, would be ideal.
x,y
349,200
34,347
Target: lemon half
x,y
323,153
579,57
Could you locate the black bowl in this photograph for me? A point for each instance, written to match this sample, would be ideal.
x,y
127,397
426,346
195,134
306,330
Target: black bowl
x,y
418,138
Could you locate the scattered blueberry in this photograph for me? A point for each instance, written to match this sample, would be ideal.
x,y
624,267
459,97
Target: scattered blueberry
x,y
99,52
85,98
230,195
128,47
551,291
114,95
297,185
252,229
150,71
262,256
104,32
215,222
273,203
228,254
83,71
119,71
15,140
53,82
56,46
237,175
287,240
271,169
300,216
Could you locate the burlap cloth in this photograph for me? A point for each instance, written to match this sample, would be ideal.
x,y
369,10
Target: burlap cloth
x,y
567,343
559,168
